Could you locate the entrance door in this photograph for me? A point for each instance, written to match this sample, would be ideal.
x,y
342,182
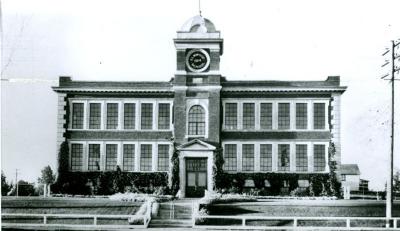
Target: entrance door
x,y
196,177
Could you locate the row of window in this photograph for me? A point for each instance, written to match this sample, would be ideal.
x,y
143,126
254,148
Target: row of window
x,y
121,115
266,159
133,157
275,115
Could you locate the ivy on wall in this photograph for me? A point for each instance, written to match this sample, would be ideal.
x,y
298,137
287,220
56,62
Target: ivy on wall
x,y
174,183
218,167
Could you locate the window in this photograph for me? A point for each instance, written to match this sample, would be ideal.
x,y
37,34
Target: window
x,y
163,157
231,116
196,121
111,157
248,116
319,157
230,157
319,115
266,115
301,116
283,157
248,157
301,158
76,157
112,115
129,157
94,115
129,115
77,115
146,116
343,177
145,157
266,157
283,116
163,116
94,157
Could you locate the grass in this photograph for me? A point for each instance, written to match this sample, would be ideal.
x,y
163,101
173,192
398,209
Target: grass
x,y
92,206
302,209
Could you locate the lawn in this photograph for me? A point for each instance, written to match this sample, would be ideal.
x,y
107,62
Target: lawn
x,y
66,206
92,206
341,208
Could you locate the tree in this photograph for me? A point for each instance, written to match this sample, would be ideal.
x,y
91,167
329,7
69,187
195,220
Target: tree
x,y
47,178
396,182
5,187
24,189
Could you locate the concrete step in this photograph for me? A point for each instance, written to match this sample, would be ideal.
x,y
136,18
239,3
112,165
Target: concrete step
x,y
164,223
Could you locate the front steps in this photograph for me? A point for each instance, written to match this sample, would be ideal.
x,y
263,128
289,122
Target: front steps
x,y
173,214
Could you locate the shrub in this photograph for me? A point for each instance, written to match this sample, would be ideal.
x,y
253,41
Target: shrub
x,y
234,183
107,183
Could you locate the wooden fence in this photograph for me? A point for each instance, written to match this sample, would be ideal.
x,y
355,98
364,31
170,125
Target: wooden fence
x,y
84,221
294,223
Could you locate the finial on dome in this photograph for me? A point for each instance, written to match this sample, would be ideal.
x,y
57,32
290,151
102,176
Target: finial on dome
x,y
199,7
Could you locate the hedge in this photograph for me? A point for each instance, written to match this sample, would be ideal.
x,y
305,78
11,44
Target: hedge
x,y
107,183
234,182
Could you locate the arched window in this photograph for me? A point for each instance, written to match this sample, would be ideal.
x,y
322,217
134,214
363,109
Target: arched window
x,y
197,121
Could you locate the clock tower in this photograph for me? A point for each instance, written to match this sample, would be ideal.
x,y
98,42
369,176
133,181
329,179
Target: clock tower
x,y
197,81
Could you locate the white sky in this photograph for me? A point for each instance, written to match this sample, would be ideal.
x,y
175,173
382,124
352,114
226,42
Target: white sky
x,y
132,40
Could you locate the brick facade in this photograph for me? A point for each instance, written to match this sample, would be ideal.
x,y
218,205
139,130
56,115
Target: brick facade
x,y
208,89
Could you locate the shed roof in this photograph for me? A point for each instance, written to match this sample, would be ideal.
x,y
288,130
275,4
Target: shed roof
x,y
350,169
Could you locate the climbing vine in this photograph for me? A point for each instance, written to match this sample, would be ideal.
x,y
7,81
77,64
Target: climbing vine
x,y
174,183
333,182
218,168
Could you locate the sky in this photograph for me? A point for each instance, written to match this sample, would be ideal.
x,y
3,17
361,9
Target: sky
x,y
132,41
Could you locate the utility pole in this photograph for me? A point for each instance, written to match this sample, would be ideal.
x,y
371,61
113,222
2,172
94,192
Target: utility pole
x,y
389,184
16,181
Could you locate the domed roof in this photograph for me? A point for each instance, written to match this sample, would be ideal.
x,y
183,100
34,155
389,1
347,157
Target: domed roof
x,y
198,24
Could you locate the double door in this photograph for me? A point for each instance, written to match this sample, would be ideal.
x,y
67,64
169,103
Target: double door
x,y
196,177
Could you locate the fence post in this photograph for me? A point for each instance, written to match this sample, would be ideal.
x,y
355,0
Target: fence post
x,y
243,221
294,222
94,220
347,222
395,220
44,219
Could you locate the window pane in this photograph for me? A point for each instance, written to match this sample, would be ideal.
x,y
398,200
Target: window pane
x,y
283,157
230,157
202,179
266,157
129,157
77,115
266,116
196,121
129,115
145,157
76,157
319,115
163,157
94,115
94,157
111,156
231,115
248,157
146,116
191,179
112,115
319,157
301,158
301,116
163,115
283,116
248,116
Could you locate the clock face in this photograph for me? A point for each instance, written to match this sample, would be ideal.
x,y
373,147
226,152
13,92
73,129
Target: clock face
x,y
197,60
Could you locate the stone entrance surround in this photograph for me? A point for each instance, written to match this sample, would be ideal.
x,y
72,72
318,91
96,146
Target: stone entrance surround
x,y
195,148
